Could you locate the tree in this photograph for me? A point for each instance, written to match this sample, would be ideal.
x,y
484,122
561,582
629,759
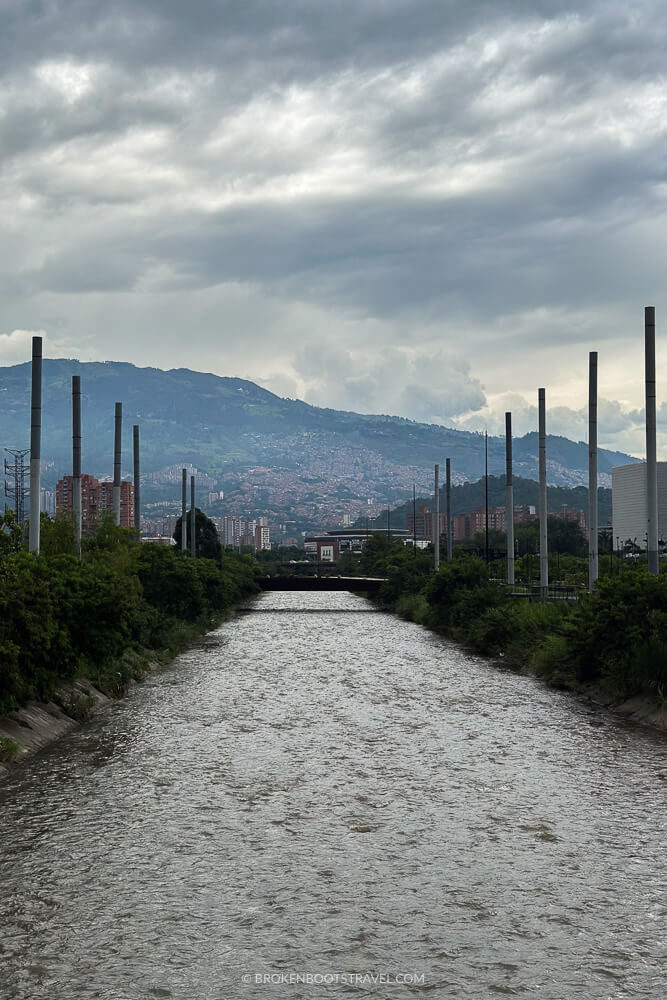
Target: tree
x,y
10,534
477,544
57,535
566,537
207,543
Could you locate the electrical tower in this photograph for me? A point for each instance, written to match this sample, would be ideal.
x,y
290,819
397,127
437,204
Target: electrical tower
x,y
18,492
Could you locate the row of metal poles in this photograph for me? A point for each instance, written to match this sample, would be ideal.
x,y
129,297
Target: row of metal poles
x,y
651,468
651,473
35,464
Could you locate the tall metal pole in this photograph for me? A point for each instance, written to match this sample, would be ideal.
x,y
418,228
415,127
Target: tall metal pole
x,y
651,462
137,477
592,469
486,498
184,508
76,462
35,443
193,541
436,520
448,482
117,445
509,499
414,519
542,434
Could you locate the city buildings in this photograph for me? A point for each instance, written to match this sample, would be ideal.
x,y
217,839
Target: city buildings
x,y
96,498
235,532
466,525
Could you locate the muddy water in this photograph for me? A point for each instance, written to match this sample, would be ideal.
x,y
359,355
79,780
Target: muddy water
x,y
322,800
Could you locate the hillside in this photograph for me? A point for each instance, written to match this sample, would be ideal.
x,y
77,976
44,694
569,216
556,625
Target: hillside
x,y
269,454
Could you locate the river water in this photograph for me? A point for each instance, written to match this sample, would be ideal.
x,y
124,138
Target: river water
x,y
321,800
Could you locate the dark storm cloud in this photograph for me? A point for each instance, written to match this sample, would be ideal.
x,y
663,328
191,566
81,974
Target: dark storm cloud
x,y
300,38
487,176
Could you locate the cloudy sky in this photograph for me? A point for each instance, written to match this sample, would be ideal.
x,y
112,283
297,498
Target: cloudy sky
x,y
427,208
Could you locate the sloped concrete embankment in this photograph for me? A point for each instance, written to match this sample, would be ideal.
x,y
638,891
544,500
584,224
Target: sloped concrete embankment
x,y
37,724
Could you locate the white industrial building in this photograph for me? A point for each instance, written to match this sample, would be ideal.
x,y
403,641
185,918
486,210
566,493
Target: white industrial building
x,y
628,503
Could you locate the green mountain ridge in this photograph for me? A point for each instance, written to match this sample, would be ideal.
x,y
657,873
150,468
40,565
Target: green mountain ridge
x,y
220,424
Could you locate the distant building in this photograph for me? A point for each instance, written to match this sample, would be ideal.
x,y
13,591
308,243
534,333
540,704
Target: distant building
x,y
89,500
525,512
629,503
328,550
262,540
126,502
348,540
96,497
466,525
47,502
421,524
461,527
234,532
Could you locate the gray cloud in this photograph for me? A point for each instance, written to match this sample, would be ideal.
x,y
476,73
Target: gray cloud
x,y
471,194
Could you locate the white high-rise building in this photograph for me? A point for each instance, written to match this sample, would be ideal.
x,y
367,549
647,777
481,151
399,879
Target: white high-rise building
x,y
628,502
47,502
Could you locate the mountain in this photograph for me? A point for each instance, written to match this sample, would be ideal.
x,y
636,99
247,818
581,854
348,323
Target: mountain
x,y
268,452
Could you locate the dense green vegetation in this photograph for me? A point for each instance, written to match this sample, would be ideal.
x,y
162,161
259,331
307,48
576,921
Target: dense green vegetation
x,y
614,639
106,616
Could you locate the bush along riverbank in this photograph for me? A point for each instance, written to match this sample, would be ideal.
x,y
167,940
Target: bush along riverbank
x,y
70,628
611,644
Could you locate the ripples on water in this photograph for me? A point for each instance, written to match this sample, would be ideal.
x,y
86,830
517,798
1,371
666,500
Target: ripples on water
x,y
336,793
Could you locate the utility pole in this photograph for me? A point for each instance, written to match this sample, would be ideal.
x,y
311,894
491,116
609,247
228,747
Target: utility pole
x,y
414,520
593,541
486,498
436,520
651,461
35,443
137,479
117,445
193,540
542,465
509,499
448,485
184,507
76,462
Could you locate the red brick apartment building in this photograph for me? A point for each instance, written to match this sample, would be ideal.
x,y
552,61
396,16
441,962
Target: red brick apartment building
x,y
421,525
466,525
96,497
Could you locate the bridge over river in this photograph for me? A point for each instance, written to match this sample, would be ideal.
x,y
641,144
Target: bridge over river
x,y
319,793
355,584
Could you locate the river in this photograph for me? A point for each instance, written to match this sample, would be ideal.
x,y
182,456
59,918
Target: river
x,y
322,800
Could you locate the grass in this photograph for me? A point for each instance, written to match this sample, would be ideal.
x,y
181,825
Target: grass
x,y
9,749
